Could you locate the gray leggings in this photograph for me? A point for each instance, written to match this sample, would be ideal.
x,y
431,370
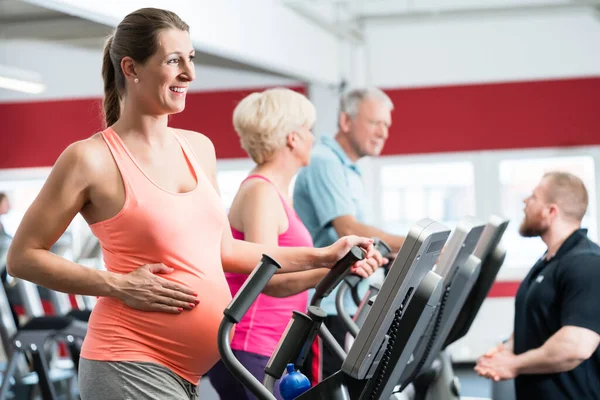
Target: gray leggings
x,y
126,380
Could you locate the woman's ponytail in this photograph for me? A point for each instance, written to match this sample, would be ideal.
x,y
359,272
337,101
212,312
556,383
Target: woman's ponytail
x,y
112,101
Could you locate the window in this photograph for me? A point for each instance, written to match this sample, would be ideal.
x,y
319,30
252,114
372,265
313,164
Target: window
x,y
518,178
229,183
229,180
21,194
443,192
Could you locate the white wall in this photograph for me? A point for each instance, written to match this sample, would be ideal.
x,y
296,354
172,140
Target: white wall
x,y
326,101
75,72
326,98
459,49
262,33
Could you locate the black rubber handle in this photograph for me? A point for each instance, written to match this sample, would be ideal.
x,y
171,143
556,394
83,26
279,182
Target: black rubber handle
x,y
336,274
353,280
250,290
382,247
317,315
290,344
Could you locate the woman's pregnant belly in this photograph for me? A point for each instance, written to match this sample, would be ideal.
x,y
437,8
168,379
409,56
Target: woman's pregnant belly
x,y
185,342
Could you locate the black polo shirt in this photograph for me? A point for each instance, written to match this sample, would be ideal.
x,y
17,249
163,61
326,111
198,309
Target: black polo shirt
x,y
562,291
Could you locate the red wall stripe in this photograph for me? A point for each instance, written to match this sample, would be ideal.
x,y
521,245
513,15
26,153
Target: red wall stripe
x,y
35,133
211,114
495,116
504,289
550,113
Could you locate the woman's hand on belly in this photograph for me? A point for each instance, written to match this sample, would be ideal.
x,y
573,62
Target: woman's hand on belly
x,y
143,290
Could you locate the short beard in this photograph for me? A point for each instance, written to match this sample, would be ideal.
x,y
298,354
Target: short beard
x,y
529,230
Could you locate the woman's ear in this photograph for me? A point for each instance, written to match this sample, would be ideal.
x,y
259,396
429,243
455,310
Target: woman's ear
x,y
129,69
292,140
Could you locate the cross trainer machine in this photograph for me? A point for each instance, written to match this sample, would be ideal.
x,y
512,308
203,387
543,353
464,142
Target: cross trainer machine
x,y
465,290
396,320
429,374
350,283
459,269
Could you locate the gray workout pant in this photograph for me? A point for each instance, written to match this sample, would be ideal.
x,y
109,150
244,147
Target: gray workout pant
x,y
126,380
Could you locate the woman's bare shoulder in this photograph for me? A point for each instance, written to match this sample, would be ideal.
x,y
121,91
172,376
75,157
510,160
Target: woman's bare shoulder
x,y
90,155
204,150
199,142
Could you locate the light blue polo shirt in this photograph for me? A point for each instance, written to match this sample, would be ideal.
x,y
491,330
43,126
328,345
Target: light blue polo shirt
x,y
329,187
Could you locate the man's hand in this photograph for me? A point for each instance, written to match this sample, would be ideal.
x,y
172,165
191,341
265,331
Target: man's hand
x,y
498,364
501,347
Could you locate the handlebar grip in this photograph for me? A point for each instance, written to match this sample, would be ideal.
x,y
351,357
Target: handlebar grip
x,y
382,247
338,272
250,290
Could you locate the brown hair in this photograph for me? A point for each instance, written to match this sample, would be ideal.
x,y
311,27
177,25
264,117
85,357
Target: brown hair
x,y
2,196
568,192
136,37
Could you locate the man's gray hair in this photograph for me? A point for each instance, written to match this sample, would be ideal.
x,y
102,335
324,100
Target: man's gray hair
x,y
350,101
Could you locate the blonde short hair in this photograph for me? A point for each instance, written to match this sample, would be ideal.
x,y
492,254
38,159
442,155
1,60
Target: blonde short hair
x,y
568,192
263,120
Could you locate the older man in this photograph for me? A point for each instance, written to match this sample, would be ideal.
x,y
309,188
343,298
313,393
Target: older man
x,y
329,194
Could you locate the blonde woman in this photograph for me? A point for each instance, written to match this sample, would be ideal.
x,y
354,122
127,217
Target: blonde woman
x,y
274,127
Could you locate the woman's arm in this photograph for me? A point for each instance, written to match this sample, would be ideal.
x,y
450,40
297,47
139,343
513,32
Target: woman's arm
x,y
241,257
63,195
284,285
261,218
261,230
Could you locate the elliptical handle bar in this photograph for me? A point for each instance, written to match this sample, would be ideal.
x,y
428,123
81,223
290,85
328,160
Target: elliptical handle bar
x,y
240,304
339,271
249,292
353,280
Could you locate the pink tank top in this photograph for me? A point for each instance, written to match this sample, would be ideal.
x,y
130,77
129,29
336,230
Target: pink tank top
x,y
182,231
264,323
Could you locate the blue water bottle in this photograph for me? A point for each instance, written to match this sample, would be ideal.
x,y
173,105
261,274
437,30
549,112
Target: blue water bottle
x,y
293,384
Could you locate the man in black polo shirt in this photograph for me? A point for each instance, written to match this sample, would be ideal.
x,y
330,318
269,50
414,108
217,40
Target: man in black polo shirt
x,y
553,353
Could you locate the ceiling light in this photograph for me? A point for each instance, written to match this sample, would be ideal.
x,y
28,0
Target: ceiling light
x,y
21,80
